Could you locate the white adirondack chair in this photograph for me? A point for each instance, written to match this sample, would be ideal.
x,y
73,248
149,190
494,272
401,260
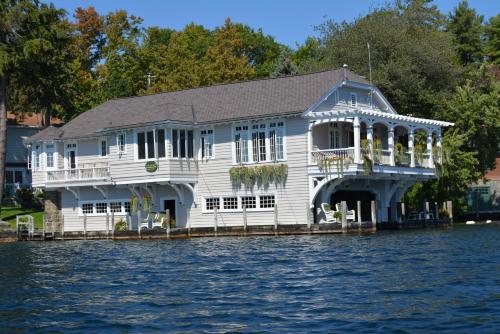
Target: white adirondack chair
x,y
329,214
351,214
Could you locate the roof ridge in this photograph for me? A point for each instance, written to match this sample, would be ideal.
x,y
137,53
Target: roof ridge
x,y
230,83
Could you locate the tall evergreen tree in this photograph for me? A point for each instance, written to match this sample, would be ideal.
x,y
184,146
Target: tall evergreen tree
x,y
492,33
467,29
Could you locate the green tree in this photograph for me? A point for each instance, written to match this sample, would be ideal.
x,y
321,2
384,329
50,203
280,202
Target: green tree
x,y
285,64
466,26
35,57
492,33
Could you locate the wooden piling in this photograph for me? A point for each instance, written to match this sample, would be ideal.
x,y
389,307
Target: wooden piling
x,y
449,205
308,215
112,224
275,217
403,211
139,223
107,224
167,219
358,213
343,208
373,208
245,218
85,226
62,227
427,216
215,220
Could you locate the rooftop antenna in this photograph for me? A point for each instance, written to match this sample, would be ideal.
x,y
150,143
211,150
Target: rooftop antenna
x,y
370,70
149,76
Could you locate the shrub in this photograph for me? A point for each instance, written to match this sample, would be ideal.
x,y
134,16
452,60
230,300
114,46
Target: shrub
x,y
121,225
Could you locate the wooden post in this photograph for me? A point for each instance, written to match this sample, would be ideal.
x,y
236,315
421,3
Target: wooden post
x,y
403,211
359,213
188,221
343,208
436,210
112,225
85,226
139,222
128,218
308,210
245,218
374,214
215,220
62,227
275,217
426,210
107,224
167,219
450,210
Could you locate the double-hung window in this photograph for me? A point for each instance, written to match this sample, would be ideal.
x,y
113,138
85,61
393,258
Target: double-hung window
x,y
276,141
241,144
259,142
121,143
206,143
36,158
182,143
49,151
151,144
103,148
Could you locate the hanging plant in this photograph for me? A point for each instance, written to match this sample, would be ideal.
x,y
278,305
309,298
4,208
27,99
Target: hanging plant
x,y
147,203
377,150
418,151
134,203
263,175
366,154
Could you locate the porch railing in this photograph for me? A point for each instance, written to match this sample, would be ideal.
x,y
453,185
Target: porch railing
x,y
344,153
383,157
79,174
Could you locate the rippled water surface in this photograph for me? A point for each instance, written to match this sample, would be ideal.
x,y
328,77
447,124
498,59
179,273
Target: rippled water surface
x,y
406,281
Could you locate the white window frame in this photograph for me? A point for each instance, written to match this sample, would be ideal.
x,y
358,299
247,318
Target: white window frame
x,y
186,144
108,207
155,143
99,143
203,137
66,157
36,153
250,146
240,205
54,155
119,145
353,96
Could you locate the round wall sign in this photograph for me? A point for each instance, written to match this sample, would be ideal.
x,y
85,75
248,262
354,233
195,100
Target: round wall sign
x,y
151,166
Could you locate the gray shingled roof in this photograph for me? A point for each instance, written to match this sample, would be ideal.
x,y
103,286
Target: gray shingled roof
x,y
225,102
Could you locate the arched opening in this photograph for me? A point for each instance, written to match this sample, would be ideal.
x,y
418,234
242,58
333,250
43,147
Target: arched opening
x,y
351,197
401,151
334,135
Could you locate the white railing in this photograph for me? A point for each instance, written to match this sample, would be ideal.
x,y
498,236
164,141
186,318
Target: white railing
x,y
78,174
383,157
344,153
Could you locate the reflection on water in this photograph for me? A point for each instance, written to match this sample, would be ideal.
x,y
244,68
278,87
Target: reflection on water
x,y
417,281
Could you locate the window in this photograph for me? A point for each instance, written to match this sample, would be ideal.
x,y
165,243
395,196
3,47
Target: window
x,y
18,176
36,158
87,208
101,207
115,207
266,201
121,143
9,176
149,143
160,137
126,206
182,143
249,202
49,149
334,139
212,203
104,148
230,203
354,99
276,141
240,144
206,143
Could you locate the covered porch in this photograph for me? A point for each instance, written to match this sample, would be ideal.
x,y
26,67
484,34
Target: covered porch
x,y
382,138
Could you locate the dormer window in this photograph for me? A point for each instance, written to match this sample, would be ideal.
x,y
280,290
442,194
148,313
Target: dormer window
x,y
354,100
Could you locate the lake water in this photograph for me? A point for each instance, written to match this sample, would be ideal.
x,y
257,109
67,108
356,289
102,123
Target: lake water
x,y
405,281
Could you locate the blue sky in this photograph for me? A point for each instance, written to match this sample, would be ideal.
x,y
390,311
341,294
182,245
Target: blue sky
x,y
288,21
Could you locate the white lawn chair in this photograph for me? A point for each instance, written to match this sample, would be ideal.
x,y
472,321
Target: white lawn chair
x,y
146,223
329,214
157,221
351,214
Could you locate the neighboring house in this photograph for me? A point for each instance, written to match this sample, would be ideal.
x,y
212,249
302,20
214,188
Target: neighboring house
x,y
484,197
19,127
179,147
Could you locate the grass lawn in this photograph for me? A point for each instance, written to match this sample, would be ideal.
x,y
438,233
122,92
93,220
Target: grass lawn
x,y
9,214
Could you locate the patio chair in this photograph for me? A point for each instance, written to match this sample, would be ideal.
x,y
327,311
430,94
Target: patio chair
x,y
329,214
149,219
158,220
351,214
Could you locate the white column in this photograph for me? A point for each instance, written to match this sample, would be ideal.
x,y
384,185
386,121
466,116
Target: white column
x,y
357,140
440,148
429,150
309,142
369,138
390,140
411,147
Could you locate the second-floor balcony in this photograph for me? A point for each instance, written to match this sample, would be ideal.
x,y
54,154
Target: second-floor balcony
x,y
85,173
